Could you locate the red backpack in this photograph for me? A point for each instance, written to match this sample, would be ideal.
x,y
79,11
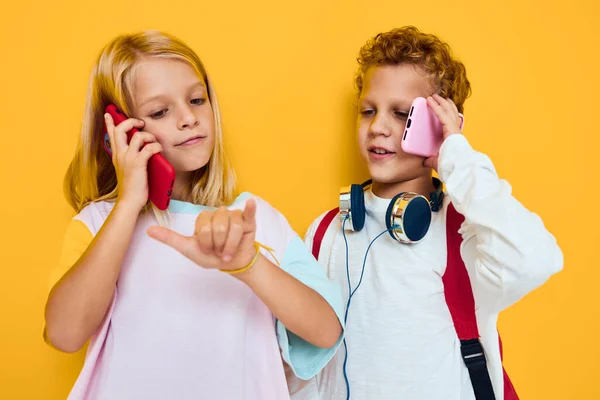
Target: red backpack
x,y
459,297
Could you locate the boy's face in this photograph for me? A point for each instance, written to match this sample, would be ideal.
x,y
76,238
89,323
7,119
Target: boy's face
x,y
388,92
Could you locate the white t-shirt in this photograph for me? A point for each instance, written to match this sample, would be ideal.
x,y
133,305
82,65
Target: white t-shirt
x,y
401,340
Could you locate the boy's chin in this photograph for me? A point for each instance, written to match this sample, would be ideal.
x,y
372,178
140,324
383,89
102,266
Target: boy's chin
x,y
380,174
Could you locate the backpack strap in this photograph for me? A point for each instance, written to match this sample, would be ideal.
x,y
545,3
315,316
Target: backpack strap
x,y
321,230
459,297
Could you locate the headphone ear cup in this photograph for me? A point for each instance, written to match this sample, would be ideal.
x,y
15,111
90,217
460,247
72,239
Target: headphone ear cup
x,y
417,219
413,214
388,215
357,201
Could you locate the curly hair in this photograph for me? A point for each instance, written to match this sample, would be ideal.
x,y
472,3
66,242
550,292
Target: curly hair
x,y
408,45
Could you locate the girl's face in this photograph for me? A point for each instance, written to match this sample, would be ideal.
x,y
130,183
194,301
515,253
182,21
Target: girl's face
x,y
172,100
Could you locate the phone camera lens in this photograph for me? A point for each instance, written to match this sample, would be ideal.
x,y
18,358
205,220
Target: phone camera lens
x,y
408,123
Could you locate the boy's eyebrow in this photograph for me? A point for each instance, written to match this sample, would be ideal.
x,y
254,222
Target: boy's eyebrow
x,y
402,105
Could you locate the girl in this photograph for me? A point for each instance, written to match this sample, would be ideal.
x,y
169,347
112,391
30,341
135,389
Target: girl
x,y
163,326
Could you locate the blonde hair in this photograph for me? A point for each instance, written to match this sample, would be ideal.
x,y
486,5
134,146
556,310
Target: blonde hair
x,y
91,175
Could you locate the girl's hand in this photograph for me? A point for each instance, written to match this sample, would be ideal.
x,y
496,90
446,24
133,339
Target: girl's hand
x,y
223,239
448,114
131,160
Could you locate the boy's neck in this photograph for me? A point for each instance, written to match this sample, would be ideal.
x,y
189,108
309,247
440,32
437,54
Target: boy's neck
x,y
422,185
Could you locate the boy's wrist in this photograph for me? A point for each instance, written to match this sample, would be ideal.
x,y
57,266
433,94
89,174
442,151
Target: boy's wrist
x,y
452,148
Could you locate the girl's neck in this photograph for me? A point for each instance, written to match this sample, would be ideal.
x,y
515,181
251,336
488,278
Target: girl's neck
x,y
181,187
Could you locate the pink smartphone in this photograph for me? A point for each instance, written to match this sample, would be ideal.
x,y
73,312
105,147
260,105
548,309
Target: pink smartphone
x,y
423,135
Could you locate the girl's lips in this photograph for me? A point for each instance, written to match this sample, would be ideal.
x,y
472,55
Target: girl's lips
x,y
192,141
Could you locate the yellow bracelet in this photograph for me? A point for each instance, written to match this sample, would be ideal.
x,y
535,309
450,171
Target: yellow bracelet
x,y
257,246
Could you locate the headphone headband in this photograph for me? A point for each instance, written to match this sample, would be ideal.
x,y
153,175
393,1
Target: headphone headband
x,y
436,197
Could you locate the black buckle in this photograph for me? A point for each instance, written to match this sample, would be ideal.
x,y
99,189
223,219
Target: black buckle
x,y
472,353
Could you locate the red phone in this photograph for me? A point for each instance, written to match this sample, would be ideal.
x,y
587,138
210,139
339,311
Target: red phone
x,y
161,174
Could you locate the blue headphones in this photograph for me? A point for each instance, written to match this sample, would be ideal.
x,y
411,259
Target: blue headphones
x,y
408,214
407,220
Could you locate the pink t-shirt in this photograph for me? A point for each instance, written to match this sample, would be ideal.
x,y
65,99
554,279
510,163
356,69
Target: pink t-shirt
x,y
178,331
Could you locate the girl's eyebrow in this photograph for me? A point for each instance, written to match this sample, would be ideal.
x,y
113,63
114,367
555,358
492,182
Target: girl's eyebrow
x,y
158,96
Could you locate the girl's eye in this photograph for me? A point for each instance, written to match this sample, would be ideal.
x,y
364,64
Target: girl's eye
x,y
198,101
158,114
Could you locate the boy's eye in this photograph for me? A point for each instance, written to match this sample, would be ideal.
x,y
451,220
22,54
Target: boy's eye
x,y
198,101
401,114
158,114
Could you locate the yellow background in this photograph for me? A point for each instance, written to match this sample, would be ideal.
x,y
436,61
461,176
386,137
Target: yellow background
x,y
284,74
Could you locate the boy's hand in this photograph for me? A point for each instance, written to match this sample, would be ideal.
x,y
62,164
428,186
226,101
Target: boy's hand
x,y
447,113
223,239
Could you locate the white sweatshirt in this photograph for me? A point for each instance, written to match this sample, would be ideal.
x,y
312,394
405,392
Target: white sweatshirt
x,y
401,340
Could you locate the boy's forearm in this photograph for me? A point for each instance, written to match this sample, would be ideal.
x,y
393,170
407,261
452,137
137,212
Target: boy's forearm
x,y
513,251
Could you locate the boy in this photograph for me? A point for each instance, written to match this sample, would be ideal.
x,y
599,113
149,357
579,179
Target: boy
x,y
405,338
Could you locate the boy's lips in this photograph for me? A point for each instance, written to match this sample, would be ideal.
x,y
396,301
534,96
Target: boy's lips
x,y
379,153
